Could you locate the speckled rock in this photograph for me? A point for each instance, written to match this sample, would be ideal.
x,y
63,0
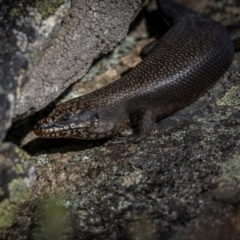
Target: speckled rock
x,y
182,182
89,30
24,37
46,46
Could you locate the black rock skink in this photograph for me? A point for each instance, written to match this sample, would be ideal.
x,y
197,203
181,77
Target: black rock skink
x,y
178,68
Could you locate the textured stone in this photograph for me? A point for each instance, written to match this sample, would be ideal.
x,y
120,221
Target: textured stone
x,y
47,45
87,32
182,182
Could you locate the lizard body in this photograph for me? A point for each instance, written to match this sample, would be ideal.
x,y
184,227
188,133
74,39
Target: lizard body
x,y
177,69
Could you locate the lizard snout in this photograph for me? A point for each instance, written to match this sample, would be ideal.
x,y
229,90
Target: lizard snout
x,y
39,129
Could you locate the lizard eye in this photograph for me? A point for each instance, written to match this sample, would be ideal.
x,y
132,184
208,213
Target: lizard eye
x,y
66,118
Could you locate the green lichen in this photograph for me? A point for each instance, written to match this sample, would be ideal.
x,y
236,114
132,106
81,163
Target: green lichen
x,y
18,192
22,71
231,168
15,12
7,213
22,154
18,169
47,7
231,98
32,55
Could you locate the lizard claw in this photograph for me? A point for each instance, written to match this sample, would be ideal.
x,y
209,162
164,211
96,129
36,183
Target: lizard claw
x,y
132,138
119,139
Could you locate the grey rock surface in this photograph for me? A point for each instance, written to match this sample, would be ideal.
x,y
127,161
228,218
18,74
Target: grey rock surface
x,y
182,182
90,29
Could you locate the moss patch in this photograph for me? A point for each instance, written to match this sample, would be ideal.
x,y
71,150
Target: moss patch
x,y
53,217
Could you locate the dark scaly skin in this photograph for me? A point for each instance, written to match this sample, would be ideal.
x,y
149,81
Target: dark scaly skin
x,y
178,68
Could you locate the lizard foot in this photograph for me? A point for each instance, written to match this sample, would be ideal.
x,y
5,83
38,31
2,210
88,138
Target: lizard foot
x,y
132,138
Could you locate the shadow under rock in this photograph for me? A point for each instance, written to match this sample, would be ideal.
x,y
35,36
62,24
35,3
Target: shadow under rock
x,y
21,128
60,145
155,21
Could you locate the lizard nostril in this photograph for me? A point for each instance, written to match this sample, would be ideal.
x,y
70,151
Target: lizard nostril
x,y
38,129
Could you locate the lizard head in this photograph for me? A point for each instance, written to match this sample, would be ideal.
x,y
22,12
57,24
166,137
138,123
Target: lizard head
x,y
69,120
66,122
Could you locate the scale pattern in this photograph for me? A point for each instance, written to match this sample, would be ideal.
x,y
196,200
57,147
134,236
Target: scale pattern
x,y
180,67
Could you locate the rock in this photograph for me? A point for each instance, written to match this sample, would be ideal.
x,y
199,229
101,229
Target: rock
x,y
17,178
169,186
46,46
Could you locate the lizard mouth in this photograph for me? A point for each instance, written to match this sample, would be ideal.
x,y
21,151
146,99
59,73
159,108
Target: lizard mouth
x,y
39,130
47,130
42,129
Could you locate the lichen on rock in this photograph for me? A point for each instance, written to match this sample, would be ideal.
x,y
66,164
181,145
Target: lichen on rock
x,y
231,97
47,7
17,178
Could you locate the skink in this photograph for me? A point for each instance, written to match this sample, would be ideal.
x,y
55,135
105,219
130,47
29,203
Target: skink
x,y
177,69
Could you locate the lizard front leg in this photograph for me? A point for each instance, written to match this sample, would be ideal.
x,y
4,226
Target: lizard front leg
x,y
144,120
